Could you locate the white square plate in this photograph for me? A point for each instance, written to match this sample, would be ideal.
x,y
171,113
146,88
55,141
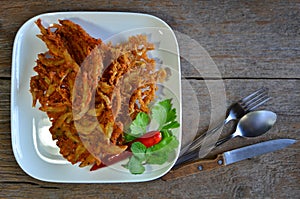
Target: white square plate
x,y
34,150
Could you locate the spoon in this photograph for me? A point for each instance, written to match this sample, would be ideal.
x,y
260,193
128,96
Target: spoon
x,y
252,124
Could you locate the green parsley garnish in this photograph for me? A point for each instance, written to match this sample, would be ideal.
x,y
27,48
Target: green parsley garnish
x,y
165,116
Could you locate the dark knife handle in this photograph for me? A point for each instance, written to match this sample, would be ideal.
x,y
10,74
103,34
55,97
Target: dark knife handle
x,y
194,167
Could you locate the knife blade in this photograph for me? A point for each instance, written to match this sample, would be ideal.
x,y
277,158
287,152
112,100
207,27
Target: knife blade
x,y
227,158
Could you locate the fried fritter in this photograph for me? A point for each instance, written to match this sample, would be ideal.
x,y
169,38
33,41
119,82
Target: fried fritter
x,y
90,90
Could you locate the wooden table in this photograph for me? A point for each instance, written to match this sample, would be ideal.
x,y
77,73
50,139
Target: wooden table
x,y
253,44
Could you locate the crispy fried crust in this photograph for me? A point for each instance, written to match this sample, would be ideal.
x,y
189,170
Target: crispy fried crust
x,y
90,90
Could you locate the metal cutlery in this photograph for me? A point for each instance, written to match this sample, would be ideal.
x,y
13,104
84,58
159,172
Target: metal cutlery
x,y
252,124
236,111
227,158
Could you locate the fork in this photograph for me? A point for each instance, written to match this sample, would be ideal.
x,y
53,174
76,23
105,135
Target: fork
x,y
235,112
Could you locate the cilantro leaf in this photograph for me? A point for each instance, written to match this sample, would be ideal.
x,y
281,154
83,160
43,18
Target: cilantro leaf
x,y
135,166
164,114
171,115
166,104
173,144
128,137
157,157
161,155
172,125
159,114
138,150
138,127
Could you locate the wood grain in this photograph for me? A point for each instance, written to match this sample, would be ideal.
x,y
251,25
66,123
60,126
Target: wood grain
x,y
194,167
253,44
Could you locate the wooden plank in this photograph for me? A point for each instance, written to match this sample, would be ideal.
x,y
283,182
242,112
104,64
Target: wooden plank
x,y
244,40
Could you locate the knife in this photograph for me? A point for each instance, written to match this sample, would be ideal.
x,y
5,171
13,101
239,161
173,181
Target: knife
x,y
227,158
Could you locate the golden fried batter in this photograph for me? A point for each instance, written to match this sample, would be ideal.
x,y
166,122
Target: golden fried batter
x,y
90,90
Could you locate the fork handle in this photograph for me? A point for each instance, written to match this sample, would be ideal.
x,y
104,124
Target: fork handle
x,y
187,156
198,141
225,139
194,154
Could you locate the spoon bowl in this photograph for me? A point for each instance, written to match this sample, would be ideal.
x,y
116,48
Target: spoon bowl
x,y
252,124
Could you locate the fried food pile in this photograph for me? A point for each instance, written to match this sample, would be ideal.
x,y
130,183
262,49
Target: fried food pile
x,y
90,90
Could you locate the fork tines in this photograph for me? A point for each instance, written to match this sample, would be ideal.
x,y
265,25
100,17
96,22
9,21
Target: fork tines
x,y
255,99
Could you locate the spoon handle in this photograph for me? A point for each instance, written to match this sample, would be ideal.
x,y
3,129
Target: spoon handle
x,y
223,140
